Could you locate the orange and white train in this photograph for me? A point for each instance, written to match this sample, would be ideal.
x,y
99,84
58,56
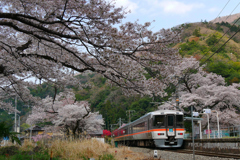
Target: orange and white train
x,y
161,129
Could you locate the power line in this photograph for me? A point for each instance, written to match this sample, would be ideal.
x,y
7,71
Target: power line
x,y
211,47
216,31
219,39
222,9
232,11
221,12
219,48
216,42
177,96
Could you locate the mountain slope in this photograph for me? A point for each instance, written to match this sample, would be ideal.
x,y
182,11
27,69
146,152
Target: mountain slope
x,y
203,39
228,19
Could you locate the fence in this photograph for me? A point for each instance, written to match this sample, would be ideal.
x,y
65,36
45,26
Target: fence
x,y
225,132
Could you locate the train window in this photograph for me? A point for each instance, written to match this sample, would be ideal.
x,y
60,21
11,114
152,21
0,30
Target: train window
x,y
170,120
126,131
179,121
158,121
139,127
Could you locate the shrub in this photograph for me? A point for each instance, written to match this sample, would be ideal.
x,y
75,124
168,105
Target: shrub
x,y
197,33
212,40
9,150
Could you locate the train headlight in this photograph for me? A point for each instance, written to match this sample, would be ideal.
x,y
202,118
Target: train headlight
x,y
160,134
180,133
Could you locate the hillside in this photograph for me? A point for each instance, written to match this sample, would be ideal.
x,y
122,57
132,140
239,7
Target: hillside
x,y
201,40
111,103
229,19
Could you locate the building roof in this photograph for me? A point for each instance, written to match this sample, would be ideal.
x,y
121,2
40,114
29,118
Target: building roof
x,y
34,128
194,119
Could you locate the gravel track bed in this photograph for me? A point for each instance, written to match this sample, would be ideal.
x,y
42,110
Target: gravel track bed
x,y
166,155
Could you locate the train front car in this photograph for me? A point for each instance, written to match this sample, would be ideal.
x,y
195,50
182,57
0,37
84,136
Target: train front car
x,y
167,128
162,129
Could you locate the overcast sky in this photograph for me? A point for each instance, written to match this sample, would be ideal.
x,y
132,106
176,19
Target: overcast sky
x,y
169,13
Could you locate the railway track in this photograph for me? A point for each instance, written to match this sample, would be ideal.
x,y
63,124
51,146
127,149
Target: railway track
x,y
203,153
186,151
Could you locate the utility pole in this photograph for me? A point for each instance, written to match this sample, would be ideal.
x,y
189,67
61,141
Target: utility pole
x,y
112,133
193,133
129,114
177,95
15,121
112,125
177,98
19,123
120,122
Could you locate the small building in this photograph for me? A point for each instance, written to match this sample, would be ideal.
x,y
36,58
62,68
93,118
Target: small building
x,y
96,133
35,130
38,133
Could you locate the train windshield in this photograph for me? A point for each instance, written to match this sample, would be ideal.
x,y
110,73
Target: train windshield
x,y
170,120
179,121
158,121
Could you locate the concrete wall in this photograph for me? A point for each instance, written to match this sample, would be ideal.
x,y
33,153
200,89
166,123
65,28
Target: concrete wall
x,y
100,139
231,145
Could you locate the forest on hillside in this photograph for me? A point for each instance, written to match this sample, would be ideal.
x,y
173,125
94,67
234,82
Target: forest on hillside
x,y
200,40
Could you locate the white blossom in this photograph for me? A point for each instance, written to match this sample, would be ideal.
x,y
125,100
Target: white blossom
x,y
205,90
49,39
66,114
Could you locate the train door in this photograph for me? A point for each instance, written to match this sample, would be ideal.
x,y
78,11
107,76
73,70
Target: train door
x,y
170,125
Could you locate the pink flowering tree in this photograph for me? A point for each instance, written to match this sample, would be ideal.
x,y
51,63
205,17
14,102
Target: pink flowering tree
x,y
205,90
66,114
40,137
54,40
106,133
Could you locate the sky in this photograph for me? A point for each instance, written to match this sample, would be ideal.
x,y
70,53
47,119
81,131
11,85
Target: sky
x,y
170,13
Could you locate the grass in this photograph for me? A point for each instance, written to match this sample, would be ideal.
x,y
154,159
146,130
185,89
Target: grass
x,y
68,150
27,156
231,137
92,149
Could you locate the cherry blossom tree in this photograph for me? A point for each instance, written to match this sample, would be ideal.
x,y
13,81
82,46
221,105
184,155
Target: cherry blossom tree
x,y
54,40
40,137
66,114
205,90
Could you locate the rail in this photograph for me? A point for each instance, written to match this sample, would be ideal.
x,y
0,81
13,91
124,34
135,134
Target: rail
x,y
205,153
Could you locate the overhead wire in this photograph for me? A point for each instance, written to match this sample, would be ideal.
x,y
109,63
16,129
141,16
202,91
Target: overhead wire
x,y
218,40
221,12
220,47
215,43
222,9
224,33
232,11
216,31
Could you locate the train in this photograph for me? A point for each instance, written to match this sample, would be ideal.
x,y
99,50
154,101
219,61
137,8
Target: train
x,y
160,129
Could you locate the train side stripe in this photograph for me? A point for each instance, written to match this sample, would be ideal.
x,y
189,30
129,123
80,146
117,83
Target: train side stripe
x,y
148,131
